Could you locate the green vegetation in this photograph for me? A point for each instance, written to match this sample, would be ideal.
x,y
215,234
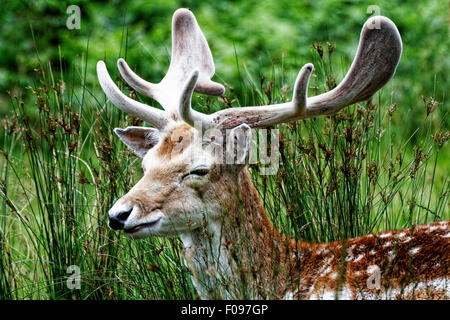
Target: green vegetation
x,y
377,165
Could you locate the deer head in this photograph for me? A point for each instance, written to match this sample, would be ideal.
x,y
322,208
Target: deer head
x,y
187,183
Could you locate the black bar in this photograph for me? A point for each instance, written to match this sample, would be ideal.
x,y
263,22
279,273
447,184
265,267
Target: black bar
x,y
233,309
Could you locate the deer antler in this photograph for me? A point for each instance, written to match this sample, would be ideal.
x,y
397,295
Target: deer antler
x,y
190,52
154,116
375,63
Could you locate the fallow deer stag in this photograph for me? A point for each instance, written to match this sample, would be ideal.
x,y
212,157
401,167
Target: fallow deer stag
x,y
231,247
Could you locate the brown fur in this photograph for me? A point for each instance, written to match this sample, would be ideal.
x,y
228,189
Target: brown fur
x,y
176,140
279,264
272,264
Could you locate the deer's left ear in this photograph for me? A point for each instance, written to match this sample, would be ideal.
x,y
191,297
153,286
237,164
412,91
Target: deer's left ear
x,y
238,145
138,139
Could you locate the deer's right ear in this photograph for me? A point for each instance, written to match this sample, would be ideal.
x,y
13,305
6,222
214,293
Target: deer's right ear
x,y
138,139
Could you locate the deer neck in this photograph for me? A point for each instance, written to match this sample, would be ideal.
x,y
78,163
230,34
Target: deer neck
x,y
244,257
240,252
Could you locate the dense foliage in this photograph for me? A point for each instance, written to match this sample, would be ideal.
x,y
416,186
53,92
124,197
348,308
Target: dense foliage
x,y
245,36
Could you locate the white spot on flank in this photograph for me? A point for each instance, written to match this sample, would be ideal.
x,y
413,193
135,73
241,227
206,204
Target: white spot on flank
x,y
372,252
359,257
408,239
329,295
446,235
289,295
326,271
387,244
431,229
333,275
372,268
402,234
322,251
414,250
361,247
385,235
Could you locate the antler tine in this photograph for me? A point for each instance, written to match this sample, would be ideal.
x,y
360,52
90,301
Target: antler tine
x,y
190,51
227,119
153,116
376,60
137,83
300,95
189,115
377,57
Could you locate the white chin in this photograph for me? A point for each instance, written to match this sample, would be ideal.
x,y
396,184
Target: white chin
x,y
145,230
143,233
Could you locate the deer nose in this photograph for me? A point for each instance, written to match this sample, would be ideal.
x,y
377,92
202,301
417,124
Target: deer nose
x,y
117,219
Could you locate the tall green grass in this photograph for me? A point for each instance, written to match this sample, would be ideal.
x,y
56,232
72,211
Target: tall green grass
x,y
60,174
351,174
62,168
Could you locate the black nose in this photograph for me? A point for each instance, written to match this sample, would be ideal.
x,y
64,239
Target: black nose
x,y
118,221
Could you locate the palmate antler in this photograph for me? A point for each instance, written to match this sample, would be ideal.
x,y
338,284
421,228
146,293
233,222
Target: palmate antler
x,y
192,67
376,60
190,52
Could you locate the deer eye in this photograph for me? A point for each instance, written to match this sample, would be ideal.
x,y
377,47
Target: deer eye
x,y
199,172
